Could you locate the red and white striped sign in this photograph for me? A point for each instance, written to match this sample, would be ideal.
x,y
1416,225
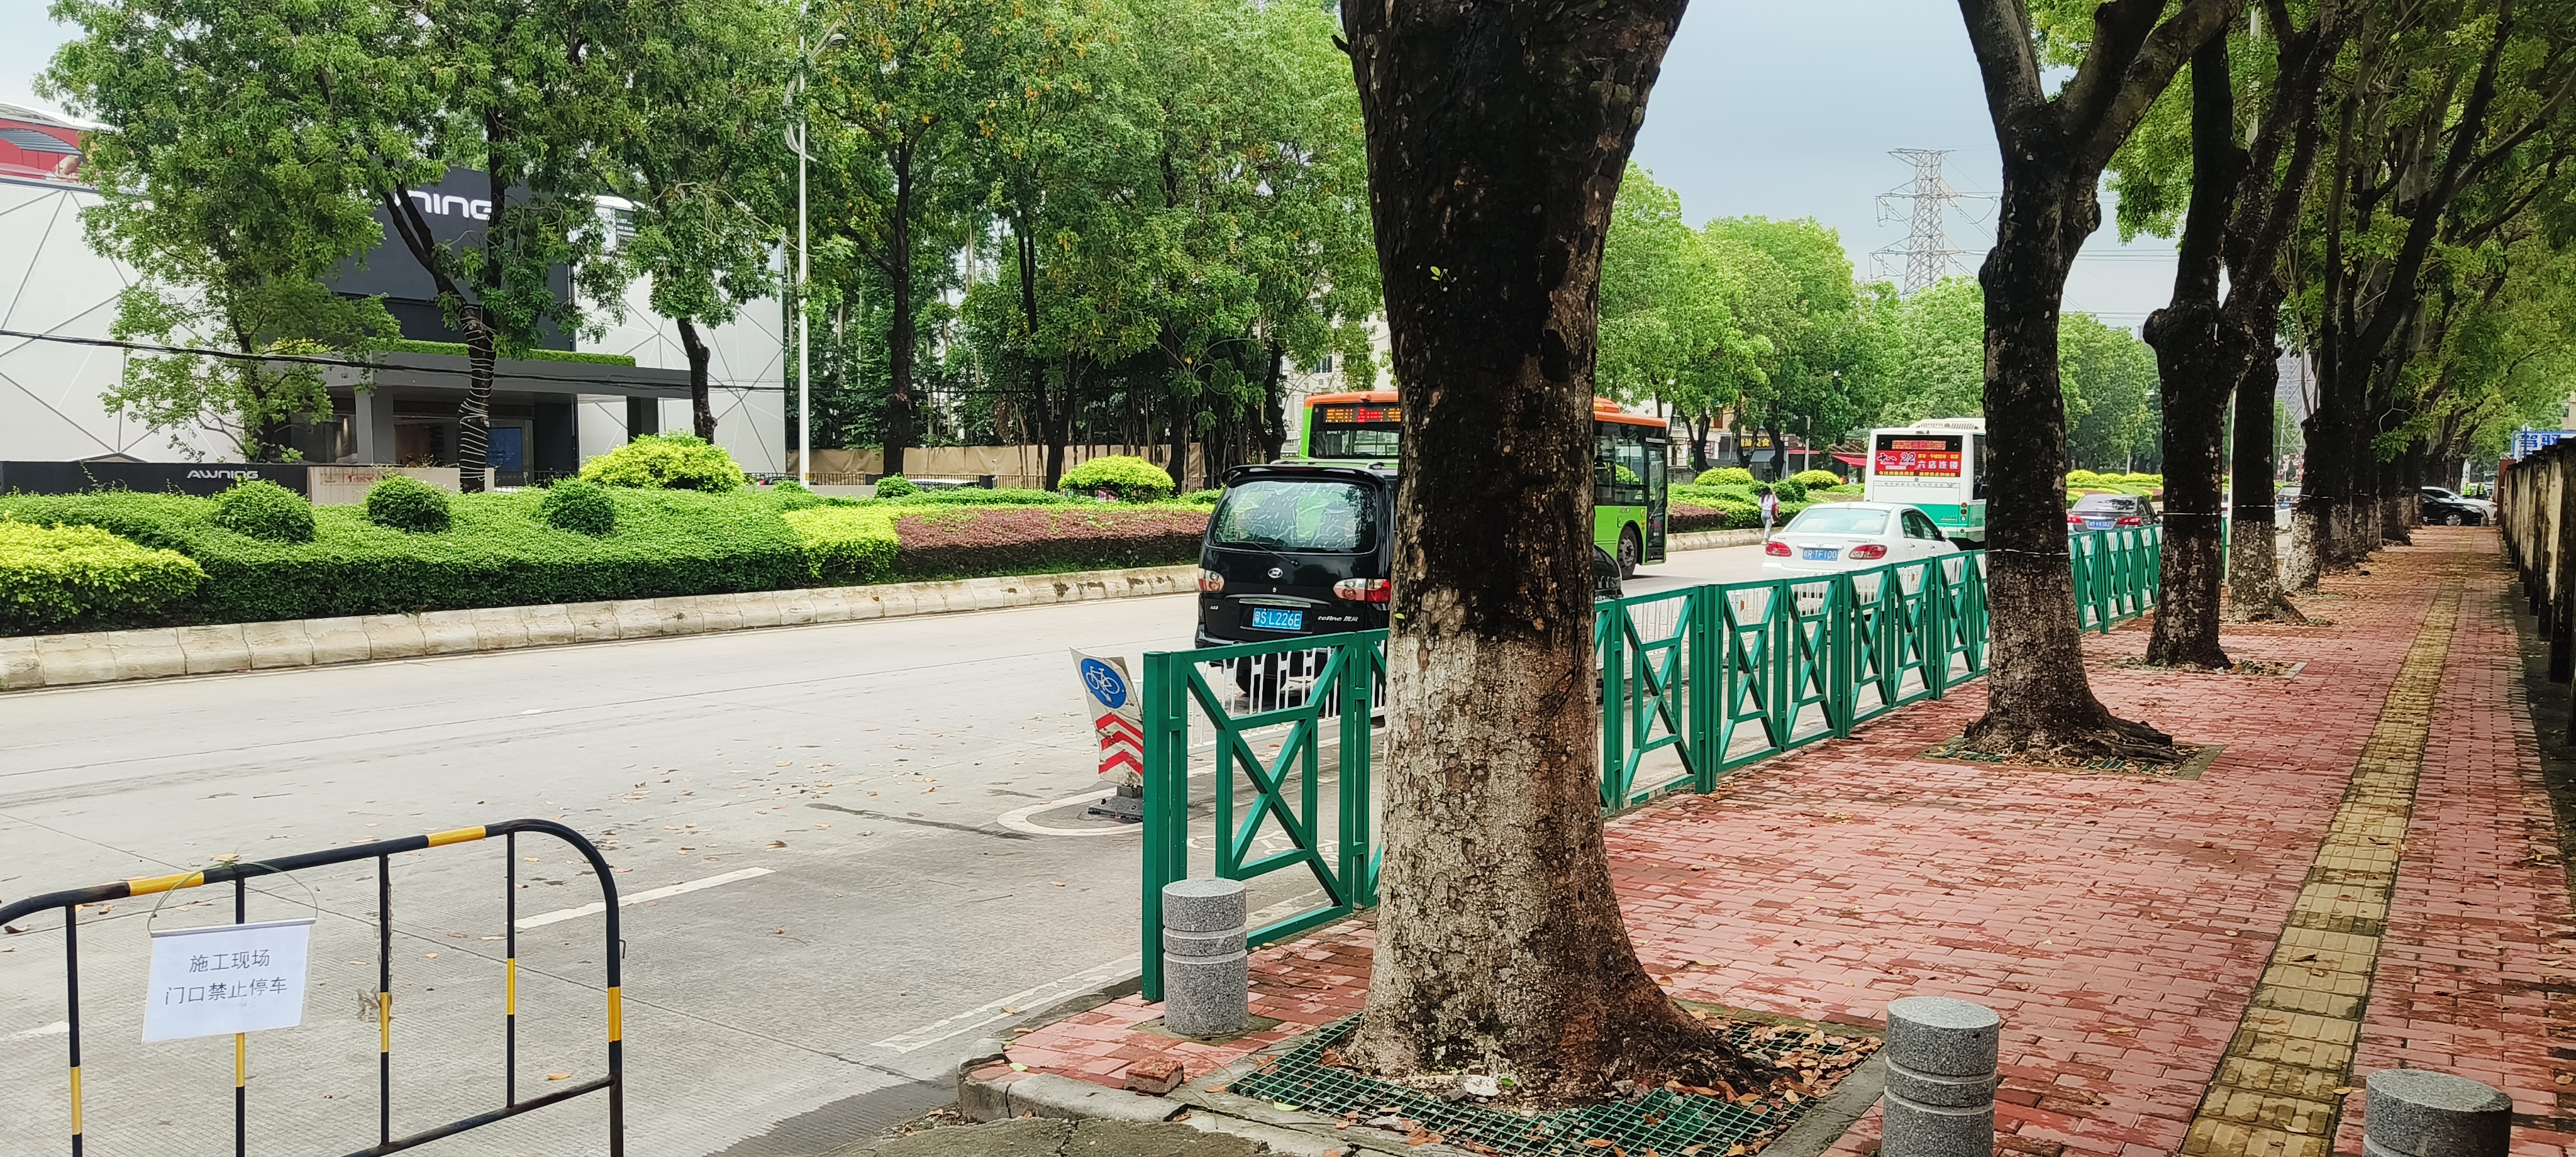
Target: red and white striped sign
x,y
1114,715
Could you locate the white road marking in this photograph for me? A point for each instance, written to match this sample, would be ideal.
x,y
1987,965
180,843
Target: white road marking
x,y
1017,819
1026,1000
58,1028
595,908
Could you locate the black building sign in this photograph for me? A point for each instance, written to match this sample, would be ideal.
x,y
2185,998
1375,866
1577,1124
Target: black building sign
x,y
200,478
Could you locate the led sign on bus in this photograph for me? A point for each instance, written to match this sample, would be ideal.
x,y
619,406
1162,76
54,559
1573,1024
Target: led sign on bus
x,y
1933,457
1354,415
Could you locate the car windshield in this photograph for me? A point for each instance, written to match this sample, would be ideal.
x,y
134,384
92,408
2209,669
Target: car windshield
x,y
1839,520
1319,516
2116,502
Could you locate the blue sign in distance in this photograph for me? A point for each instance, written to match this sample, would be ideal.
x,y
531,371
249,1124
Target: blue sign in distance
x,y
1105,683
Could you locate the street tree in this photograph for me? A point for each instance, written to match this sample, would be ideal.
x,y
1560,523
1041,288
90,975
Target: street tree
x,y
695,156
227,211
2230,156
900,83
1497,134
2055,147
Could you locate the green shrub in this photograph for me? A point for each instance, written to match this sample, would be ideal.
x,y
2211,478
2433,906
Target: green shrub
x,y
846,545
61,575
1124,476
1816,479
667,462
498,552
265,510
405,503
789,486
896,486
1203,497
579,506
1790,490
1725,476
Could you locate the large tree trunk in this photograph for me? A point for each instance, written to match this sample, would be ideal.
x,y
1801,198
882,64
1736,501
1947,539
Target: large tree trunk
x,y
1274,410
2038,697
1497,131
2198,357
474,411
2253,568
702,415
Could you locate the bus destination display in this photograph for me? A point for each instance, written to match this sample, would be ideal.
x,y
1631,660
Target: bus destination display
x,y
1360,415
1917,457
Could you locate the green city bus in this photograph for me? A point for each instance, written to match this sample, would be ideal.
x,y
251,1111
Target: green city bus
x,y
1631,483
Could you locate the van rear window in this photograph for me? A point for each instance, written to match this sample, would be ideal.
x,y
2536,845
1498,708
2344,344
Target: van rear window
x,y
1322,517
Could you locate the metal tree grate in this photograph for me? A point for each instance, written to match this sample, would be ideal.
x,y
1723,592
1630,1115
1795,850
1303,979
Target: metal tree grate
x,y
1662,1123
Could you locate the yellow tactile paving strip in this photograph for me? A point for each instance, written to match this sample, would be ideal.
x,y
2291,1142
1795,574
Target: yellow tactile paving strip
x,y
2287,1070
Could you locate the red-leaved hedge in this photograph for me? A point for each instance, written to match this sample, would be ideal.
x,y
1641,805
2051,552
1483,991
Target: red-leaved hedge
x,y
968,541
1688,519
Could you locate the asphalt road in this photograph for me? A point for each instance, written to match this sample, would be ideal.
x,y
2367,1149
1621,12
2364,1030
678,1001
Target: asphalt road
x,y
870,834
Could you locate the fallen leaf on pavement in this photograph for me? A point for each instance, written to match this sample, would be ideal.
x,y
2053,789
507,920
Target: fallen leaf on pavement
x,y
558,1076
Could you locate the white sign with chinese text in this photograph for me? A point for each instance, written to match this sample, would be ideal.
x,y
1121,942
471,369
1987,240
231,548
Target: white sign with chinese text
x,y
226,979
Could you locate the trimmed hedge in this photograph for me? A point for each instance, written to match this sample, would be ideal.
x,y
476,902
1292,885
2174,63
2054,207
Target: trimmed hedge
x,y
1817,479
580,507
498,552
667,462
265,510
410,505
845,545
1724,476
56,575
896,486
978,496
1129,478
577,357
960,543
1685,519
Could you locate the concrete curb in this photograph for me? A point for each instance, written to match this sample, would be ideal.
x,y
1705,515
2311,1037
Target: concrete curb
x,y
33,661
1710,539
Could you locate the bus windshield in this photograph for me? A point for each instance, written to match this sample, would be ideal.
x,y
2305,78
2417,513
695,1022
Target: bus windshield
x,y
1359,430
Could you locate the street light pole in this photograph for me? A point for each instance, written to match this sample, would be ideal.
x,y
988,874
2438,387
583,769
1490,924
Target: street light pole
x,y
804,315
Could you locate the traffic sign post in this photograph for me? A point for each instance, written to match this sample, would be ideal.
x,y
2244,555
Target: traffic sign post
x,y
1116,720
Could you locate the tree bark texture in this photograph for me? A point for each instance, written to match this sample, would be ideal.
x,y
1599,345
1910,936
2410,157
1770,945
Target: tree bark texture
x,y
2199,358
702,414
1497,131
2054,150
902,332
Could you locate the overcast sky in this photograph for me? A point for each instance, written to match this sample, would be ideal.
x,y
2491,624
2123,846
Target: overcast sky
x,y
1769,108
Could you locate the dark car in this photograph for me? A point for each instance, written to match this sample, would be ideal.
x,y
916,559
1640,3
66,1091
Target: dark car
x,y
1297,548
2111,512
2451,511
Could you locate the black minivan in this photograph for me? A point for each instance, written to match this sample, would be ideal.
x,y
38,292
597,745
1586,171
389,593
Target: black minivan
x,y
1297,548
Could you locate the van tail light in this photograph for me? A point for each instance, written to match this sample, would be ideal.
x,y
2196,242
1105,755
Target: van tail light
x,y
1869,550
2130,520
1364,590
1210,581
1776,548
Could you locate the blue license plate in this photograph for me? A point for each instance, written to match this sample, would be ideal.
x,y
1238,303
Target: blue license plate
x,y
2099,523
1823,553
1270,619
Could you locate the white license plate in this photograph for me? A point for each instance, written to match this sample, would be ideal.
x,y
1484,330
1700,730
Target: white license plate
x,y
1267,619
1822,553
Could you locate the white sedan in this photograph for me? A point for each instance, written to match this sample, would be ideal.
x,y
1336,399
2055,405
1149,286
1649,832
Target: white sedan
x,y
1831,537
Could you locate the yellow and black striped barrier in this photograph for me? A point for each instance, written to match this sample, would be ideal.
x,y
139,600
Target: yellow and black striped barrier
x,y
382,852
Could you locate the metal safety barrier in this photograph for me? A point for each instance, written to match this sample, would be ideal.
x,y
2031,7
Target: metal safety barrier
x,y
382,852
1695,683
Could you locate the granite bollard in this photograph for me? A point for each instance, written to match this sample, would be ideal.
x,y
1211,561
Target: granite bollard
x,y
2423,1113
1941,1056
1205,971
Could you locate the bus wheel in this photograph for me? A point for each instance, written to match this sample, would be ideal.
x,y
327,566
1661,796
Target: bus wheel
x,y
1631,552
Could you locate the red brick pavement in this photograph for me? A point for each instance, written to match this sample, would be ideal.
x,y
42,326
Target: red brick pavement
x,y
2118,924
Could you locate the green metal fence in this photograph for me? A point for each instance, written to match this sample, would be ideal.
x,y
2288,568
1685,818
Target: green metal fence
x,y
1694,683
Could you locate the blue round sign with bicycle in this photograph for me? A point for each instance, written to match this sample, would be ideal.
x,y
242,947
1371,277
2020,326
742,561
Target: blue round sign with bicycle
x,y
1106,684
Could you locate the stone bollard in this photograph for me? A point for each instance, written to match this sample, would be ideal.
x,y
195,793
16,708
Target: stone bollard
x,y
1205,974
2422,1113
1941,1057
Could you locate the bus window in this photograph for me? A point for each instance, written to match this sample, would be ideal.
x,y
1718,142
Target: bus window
x,y
1977,463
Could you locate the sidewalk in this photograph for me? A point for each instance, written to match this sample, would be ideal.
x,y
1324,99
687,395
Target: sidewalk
x,y
2201,966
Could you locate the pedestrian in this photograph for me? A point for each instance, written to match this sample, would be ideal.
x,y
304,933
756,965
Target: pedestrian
x,y
1770,510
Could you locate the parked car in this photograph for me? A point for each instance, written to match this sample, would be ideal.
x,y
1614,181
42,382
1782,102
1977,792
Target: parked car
x,y
2453,511
1297,549
1605,574
1840,536
2111,512
2433,494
